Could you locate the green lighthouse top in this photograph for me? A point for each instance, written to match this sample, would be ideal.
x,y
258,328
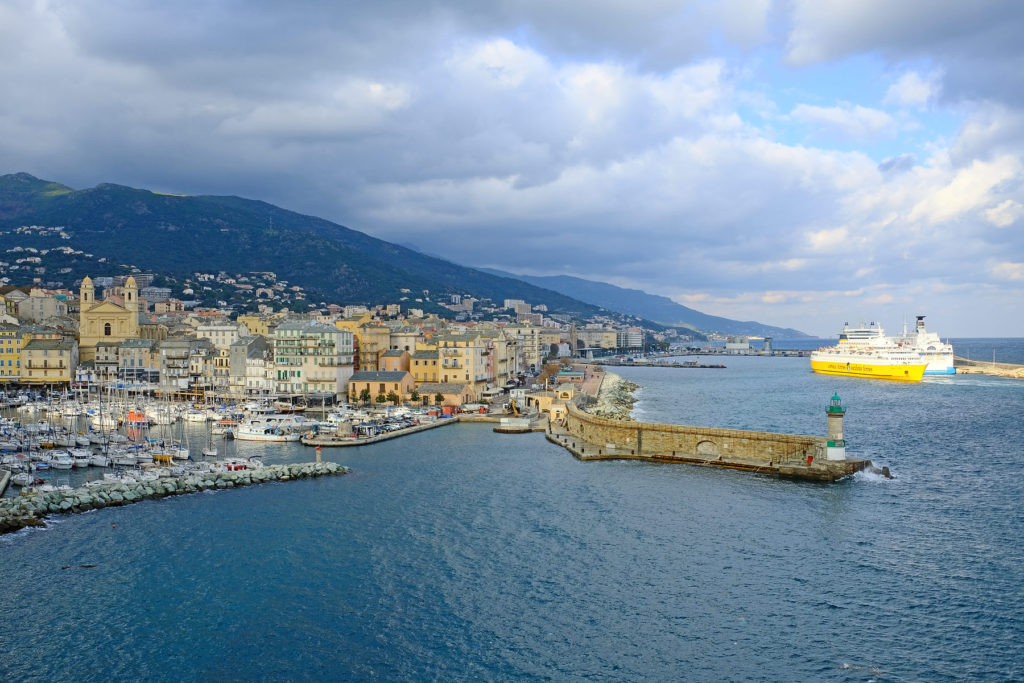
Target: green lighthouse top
x,y
836,405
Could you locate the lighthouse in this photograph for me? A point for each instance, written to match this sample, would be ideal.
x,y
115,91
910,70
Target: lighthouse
x,y
836,448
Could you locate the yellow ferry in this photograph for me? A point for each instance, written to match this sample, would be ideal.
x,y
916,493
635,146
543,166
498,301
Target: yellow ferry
x,y
865,351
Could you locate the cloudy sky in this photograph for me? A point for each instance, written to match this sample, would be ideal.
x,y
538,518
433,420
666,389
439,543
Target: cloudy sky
x,y
801,162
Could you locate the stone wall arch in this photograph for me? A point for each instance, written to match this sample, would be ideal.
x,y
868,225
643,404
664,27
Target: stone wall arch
x,y
707,449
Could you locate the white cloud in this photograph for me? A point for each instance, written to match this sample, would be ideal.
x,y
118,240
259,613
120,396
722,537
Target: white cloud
x,y
1004,214
969,189
913,90
856,122
1008,271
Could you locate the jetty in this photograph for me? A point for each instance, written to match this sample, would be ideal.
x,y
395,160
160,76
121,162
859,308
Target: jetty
x,y
32,509
326,440
815,458
683,364
965,366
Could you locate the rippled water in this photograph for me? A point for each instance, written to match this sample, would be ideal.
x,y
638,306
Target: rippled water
x,y
458,553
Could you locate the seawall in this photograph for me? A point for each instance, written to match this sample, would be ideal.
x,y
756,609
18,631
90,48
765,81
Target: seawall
x,y
966,366
31,510
589,437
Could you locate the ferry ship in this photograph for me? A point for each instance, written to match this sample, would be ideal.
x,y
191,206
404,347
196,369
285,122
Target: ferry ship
x,y
936,353
865,351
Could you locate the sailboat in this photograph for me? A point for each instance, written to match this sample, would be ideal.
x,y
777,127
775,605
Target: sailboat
x,y
209,450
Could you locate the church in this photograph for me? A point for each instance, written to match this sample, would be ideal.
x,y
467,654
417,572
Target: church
x,y
106,321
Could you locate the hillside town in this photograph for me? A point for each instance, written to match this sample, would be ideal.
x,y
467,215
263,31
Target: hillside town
x,y
125,333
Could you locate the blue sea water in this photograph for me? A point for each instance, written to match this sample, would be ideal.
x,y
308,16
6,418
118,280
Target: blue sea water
x,y
462,554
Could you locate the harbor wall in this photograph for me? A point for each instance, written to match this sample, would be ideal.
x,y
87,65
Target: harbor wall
x,y
24,511
589,437
652,440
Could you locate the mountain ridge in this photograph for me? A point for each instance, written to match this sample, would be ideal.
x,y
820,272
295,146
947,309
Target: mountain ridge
x,y
661,309
184,234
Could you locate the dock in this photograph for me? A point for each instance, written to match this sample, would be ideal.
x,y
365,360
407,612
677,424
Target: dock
x,y
684,364
334,440
793,456
965,366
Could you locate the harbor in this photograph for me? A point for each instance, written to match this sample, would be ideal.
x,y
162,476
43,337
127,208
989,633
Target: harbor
x,y
451,545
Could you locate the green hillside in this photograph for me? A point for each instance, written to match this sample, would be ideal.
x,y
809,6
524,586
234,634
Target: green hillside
x,y
180,235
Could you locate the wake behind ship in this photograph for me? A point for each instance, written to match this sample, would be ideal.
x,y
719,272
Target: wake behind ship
x,y
865,351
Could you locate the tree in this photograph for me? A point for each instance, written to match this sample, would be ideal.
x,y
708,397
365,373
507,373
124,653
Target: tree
x,y
364,395
414,396
394,397
438,398
382,397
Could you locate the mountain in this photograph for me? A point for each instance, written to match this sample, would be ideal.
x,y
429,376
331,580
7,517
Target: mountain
x,y
650,306
181,235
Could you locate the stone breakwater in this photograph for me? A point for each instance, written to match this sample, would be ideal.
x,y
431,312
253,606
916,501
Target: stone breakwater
x,y
615,399
31,510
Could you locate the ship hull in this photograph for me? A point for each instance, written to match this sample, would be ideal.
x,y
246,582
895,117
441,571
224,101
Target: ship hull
x,y
896,372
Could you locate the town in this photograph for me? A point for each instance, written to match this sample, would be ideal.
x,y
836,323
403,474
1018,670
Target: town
x,y
127,333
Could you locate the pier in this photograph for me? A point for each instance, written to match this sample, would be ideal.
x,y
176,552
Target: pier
x,y
31,510
335,440
792,456
965,366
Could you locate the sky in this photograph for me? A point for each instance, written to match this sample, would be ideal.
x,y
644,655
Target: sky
x,y
802,163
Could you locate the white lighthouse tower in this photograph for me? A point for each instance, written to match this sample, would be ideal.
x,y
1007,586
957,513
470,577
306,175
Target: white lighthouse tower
x,y
836,448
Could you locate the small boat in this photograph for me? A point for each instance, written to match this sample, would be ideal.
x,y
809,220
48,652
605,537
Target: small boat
x,y
23,479
80,457
99,460
62,461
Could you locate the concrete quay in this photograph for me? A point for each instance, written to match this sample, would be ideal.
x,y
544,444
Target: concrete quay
x,y
966,366
591,437
333,440
31,510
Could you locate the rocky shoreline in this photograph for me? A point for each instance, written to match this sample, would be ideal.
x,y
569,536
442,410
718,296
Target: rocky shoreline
x,y
25,511
615,400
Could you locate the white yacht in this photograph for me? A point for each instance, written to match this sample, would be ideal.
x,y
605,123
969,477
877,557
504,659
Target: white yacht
x,y
272,427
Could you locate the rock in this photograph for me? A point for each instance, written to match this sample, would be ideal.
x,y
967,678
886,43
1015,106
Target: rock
x,y
116,496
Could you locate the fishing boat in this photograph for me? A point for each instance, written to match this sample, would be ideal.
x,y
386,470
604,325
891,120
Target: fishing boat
x,y
865,351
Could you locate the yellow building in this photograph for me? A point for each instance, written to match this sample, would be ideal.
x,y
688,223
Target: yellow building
x,y
379,383
49,361
11,343
423,364
257,325
105,320
371,340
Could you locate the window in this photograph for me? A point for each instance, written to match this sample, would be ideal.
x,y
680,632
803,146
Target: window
x,y
106,330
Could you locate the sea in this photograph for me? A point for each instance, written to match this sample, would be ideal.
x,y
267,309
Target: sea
x,y
462,554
